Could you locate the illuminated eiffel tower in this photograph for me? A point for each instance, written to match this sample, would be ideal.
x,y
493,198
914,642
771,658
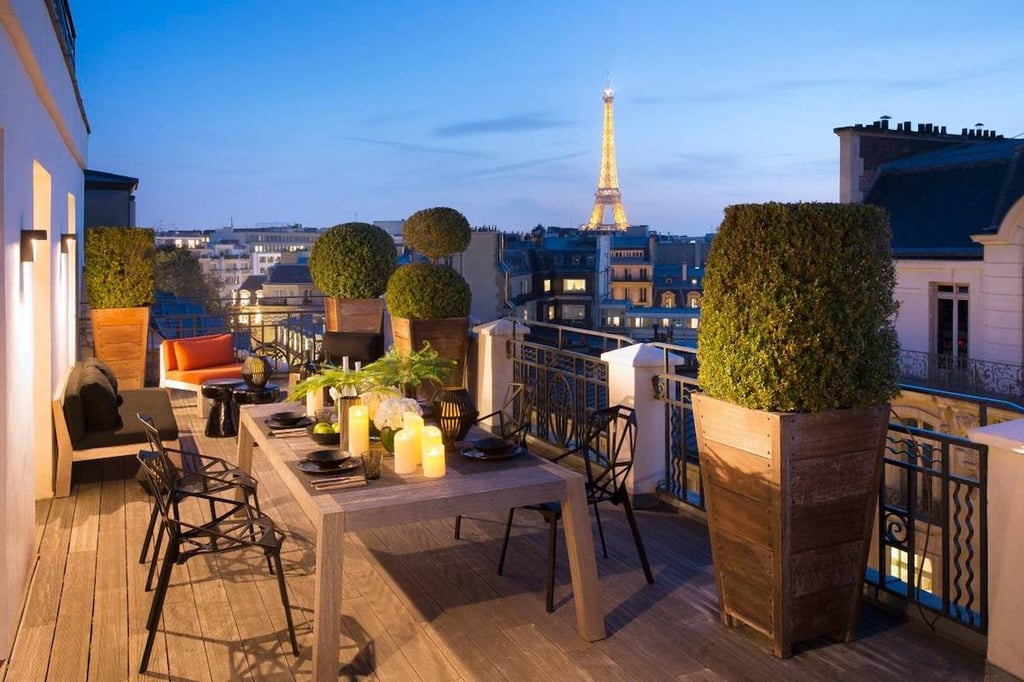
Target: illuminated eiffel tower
x,y
608,193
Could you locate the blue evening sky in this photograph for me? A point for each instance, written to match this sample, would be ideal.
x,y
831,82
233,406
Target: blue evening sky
x,y
324,112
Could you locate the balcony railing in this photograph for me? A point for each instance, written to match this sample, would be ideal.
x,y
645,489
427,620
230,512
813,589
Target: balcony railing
x,y
964,375
60,13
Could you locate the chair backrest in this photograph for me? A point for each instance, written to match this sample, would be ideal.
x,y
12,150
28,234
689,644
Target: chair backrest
x,y
608,451
156,446
364,347
161,481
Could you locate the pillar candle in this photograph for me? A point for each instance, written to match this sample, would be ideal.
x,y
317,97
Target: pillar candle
x,y
429,437
405,454
314,402
358,429
433,462
414,423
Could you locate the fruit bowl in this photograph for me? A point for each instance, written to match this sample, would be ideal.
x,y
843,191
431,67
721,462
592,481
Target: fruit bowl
x,y
331,438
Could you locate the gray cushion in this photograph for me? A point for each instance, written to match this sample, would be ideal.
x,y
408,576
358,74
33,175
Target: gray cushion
x,y
99,401
151,401
73,415
107,372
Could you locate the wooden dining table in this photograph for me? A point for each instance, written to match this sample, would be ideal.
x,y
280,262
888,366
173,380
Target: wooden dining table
x,y
469,486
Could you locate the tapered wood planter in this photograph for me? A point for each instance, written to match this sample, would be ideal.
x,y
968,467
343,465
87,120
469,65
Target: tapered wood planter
x,y
119,337
448,336
790,503
354,314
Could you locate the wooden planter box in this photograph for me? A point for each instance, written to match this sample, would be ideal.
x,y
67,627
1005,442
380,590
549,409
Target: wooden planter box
x,y
119,337
448,336
791,500
354,314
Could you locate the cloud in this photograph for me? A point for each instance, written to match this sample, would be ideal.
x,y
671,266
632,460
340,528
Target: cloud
x,y
517,123
418,148
527,164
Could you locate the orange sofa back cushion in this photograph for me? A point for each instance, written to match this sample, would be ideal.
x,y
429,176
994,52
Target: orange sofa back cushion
x,y
204,351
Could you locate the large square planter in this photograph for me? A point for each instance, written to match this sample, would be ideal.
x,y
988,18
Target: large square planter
x,y
790,502
119,338
354,314
448,336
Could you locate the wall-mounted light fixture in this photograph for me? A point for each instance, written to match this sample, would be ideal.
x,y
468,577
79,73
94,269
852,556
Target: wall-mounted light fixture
x,y
65,242
28,251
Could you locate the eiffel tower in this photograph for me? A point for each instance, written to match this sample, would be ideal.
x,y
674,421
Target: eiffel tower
x,y
608,193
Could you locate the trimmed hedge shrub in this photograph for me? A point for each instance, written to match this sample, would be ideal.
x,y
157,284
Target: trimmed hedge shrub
x,y
798,306
119,263
424,291
353,260
437,232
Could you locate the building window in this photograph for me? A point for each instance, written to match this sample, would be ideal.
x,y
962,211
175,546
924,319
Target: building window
x,y
614,321
551,313
668,300
547,285
693,300
638,323
643,295
574,285
951,320
694,322
899,569
574,312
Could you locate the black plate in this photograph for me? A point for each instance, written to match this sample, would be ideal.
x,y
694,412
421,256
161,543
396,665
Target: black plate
x,y
473,453
344,466
275,425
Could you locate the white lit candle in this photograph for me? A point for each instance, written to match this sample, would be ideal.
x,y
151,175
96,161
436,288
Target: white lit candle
x,y
314,402
358,429
413,423
429,437
433,461
405,452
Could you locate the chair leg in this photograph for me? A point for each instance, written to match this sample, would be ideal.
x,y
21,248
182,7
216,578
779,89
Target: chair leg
x,y
284,600
552,541
149,533
636,539
458,527
156,557
600,531
504,546
157,606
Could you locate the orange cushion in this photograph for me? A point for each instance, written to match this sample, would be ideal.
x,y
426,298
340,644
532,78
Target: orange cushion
x,y
198,376
207,351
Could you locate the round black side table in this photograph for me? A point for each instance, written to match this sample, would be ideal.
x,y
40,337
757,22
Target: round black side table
x,y
222,422
248,395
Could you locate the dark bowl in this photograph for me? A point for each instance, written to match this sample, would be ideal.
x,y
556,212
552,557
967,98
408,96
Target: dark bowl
x,y
287,418
323,438
325,456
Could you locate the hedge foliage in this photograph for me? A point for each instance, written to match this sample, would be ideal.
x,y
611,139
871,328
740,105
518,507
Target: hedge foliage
x,y
119,263
798,308
353,260
425,291
437,232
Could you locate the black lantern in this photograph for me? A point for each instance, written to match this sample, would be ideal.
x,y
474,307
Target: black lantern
x,y
256,371
455,413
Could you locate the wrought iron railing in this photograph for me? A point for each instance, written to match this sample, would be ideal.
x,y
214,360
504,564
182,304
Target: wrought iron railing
x,y
567,384
965,375
60,13
931,543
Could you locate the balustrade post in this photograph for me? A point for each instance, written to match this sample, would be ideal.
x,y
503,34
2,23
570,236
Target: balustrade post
x,y
631,372
494,369
1005,564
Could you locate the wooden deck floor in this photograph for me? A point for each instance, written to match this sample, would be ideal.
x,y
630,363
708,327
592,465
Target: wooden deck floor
x,y
418,604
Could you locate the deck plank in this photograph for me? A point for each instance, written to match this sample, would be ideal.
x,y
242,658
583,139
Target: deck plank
x,y
109,652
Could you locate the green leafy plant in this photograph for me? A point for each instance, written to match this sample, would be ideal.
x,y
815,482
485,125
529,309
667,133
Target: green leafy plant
x,y
119,264
437,232
353,260
394,368
424,291
797,308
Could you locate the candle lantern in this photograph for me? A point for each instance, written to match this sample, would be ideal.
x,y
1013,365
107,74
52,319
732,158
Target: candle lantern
x,y
455,413
256,371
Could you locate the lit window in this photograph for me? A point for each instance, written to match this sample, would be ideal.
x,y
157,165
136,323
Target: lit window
x,y
574,285
551,312
898,568
638,323
547,285
694,323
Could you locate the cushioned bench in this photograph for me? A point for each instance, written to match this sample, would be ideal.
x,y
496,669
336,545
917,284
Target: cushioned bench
x,y
187,363
93,420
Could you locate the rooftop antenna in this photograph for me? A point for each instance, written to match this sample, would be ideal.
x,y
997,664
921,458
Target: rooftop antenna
x,y
885,117
979,126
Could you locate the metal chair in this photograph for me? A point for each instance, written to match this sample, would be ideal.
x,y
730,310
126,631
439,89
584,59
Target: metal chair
x,y
233,525
607,452
514,417
198,475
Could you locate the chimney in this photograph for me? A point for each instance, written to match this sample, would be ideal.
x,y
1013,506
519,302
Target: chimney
x,y
943,131
906,126
964,132
920,127
899,127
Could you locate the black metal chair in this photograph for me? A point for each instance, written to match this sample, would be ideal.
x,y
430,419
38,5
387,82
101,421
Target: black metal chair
x,y
233,525
607,451
198,475
514,417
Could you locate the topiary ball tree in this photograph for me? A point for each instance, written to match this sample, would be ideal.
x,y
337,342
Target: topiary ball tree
x,y
119,264
424,291
353,260
798,307
437,232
